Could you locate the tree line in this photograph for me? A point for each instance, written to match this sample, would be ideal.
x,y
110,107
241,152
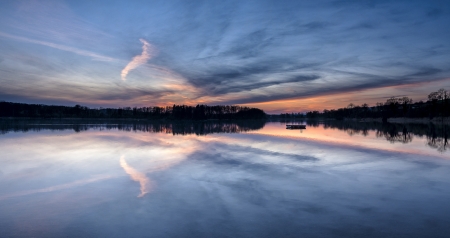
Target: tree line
x,y
176,112
437,105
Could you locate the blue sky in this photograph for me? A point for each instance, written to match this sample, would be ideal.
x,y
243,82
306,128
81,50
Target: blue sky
x,y
276,55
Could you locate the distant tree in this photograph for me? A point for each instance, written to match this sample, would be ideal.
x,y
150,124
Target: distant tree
x,y
439,103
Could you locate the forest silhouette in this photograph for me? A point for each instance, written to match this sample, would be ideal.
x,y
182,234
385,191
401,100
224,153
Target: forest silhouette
x,y
437,105
176,112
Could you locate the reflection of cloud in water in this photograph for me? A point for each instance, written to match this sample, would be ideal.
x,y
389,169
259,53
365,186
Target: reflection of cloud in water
x,y
136,176
57,187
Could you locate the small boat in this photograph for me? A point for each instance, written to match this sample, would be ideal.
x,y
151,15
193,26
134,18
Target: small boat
x,y
295,127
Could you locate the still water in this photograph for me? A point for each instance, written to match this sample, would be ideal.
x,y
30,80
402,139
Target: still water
x,y
223,180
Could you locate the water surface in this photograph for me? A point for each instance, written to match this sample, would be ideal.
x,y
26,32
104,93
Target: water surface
x,y
234,179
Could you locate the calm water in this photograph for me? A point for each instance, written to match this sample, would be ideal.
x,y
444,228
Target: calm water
x,y
224,180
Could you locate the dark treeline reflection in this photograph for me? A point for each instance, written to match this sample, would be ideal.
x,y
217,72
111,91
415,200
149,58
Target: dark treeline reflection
x,y
175,128
435,134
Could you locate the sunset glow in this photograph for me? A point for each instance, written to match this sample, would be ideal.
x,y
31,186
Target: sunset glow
x,y
280,57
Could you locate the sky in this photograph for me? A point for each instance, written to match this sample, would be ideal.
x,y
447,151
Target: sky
x,y
280,56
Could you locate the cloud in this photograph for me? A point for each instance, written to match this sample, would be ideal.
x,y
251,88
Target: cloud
x,y
147,50
350,82
425,72
219,79
93,55
264,84
137,176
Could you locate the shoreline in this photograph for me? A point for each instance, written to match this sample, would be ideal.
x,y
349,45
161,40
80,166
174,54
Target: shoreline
x,y
437,120
440,120
69,119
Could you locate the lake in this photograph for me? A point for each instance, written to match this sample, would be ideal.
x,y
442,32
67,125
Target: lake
x,y
232,179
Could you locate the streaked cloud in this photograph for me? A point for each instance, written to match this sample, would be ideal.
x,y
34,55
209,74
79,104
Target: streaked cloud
x,y
147,51
93,55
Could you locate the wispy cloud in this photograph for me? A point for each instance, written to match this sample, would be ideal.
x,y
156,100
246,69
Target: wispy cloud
x,y
136,176
147,50
94,56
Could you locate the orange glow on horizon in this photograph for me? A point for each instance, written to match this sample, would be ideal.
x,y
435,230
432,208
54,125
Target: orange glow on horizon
x,y
180,92
340,100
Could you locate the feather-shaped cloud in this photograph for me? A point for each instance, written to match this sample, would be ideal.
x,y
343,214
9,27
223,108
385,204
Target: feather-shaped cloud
x,y
147,50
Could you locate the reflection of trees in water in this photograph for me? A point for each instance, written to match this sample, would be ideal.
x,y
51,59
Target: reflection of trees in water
x,y
435,134
175,128
198,128
351,131
352,128
392,134
438,138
